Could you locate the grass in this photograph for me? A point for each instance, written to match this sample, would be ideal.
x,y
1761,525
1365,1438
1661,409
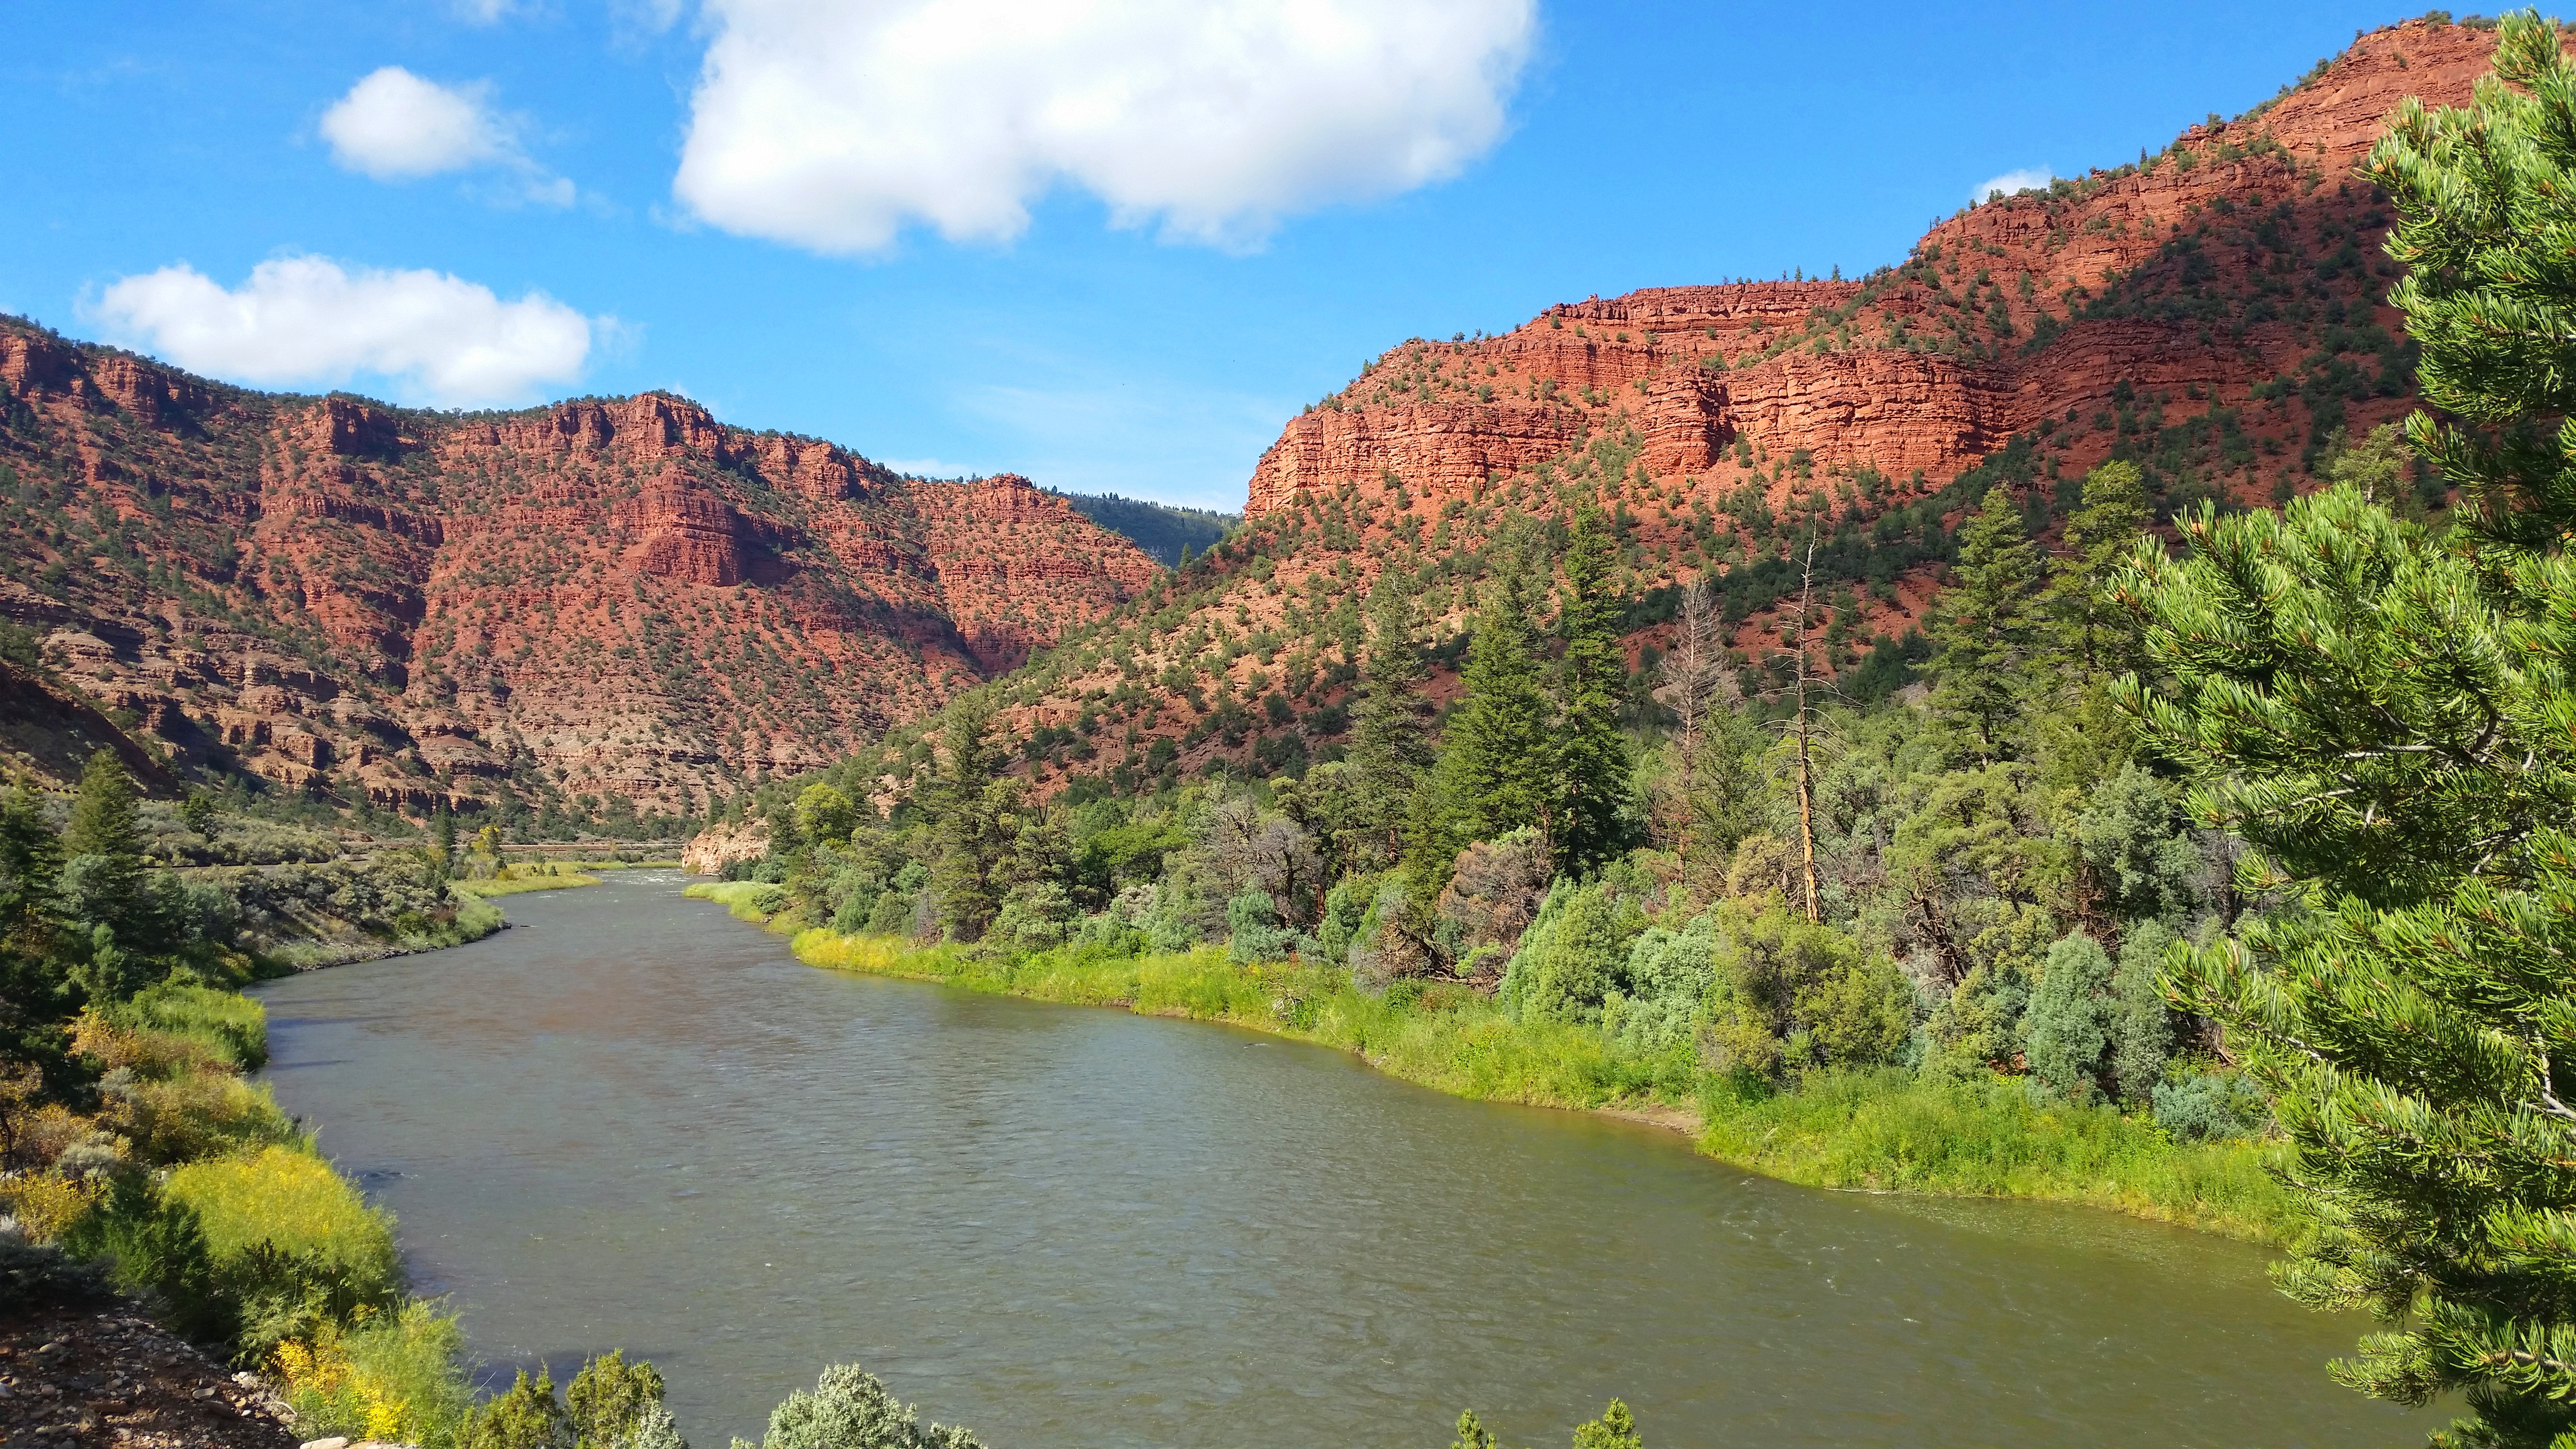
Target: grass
x,y
1889,1131
510,883
747,900
229,1025
1893,1131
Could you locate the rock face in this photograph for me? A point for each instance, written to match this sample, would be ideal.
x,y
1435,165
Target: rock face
x,y
717,846
623,600
1933,365
2215,313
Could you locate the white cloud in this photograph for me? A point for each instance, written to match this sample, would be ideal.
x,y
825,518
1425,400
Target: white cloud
x,y
644,17
394,126
831,125
306,320
485,12
2028,178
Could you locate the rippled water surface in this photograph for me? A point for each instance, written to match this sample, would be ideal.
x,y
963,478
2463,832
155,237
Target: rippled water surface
x,y
634,1121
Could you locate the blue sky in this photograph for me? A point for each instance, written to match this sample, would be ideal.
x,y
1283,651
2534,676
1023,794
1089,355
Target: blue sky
x,y
1113,246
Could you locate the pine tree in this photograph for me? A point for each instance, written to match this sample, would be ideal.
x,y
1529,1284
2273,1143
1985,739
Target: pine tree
x,y
1591,756
2092,630
35,995
1389,751
443,839
105,844
1497,762
1984,626
2384,717
970,808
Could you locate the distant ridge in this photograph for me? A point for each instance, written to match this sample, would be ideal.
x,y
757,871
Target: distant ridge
x,y
1162,530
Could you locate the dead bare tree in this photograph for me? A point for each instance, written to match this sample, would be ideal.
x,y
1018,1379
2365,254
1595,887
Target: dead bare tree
x,y
1695,681
1807,687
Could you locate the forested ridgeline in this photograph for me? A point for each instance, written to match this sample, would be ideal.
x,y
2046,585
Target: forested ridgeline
x,y
2251,834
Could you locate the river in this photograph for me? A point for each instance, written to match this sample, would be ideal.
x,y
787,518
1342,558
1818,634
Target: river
x,y
634,1122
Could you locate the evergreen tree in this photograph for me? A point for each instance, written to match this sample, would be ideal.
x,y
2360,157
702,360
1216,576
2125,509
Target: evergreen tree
x,y
1985,627
105,842
2385,720
442,839
1389,750
1497,762
35,997
970,808
2092,630
1592,676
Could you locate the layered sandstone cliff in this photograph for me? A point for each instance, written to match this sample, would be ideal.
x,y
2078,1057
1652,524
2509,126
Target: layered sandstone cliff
x,y
2215,313
1928,366
623,600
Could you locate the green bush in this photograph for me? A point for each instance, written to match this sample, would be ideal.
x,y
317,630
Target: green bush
x,y
849,1409
608,1402
390,1376
527,1415
1256,932
1571,955
2208,1106
228,1024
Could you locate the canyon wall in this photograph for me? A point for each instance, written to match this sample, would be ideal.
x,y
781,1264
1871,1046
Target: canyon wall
x,y
622,599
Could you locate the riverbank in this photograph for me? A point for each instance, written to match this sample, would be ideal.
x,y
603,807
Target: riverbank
x,y
1889,1131
553,875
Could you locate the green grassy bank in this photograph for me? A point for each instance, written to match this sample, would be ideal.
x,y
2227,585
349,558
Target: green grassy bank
x,y
1883,1131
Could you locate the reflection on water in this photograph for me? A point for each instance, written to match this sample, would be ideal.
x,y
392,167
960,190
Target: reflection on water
x,y
635,1122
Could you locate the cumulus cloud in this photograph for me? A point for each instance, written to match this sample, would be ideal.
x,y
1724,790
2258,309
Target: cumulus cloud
x,y
2028,178
394,126
307,320
831,125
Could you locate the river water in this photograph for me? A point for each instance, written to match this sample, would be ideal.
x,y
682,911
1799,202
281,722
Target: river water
x,y
633,1121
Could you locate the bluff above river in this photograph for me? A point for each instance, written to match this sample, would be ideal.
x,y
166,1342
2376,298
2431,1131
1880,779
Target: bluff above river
x,y
623,599
2215,313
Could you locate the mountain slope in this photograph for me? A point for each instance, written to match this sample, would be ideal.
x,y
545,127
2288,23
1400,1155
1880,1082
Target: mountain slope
x,y
621,599
1163,530
2214,312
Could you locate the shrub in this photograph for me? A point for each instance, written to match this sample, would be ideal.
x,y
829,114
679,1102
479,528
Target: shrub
x,y
293,1200
1033,917
2067,1029
1667,979
849,1409
192,1115
389,1376
293,1247
1792,993
608,1401
1256,933
1570,956
150,1245
2211,1105
231,1026
525,1416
